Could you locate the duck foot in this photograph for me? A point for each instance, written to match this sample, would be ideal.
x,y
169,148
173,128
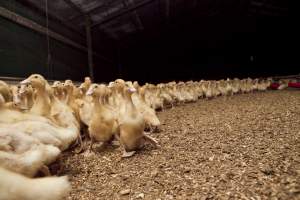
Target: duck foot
x,y
115,143
81,146
88,153
151,140
128,154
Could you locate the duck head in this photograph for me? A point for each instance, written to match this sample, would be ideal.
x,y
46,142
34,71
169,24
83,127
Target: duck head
x,y
98,90
69,86
57,84
35,80
93,90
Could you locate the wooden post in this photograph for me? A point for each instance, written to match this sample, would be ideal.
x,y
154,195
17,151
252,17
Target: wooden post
x,y
89,46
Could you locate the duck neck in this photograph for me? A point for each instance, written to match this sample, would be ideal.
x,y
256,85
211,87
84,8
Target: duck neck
x,y
41,105
142,95
98,107
129,106
70,95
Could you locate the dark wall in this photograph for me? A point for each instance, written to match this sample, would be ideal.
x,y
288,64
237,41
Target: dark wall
x,y
23,51
214,48
105,63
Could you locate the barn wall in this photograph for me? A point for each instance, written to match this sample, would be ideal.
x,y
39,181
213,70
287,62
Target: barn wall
x,y
23,51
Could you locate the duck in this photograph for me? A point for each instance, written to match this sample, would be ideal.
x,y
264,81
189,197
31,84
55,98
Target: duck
x,y
16,186
85,86
24,97
42,101
19,142
116,98
165,95
283,84
235,86
131,125
5,92
58,91
71,97
64,123
29,162
103,124
151,120
207,88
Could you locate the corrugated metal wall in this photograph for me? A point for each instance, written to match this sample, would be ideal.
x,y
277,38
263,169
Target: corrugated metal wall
x,y
23,51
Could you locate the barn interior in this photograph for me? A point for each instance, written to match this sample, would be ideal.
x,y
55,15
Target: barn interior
x,y
149,99
148,41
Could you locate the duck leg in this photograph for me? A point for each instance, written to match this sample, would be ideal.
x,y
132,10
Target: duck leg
x,y
125,154
151,128
151,140
91,145
80,144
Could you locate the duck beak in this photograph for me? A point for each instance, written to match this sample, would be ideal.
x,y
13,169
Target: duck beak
x,y
22,89
25,82
132,90
89,92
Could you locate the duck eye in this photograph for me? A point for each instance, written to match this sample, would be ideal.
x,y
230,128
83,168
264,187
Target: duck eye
x,y
35,77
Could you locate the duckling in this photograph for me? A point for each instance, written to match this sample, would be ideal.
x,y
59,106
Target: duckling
x,y
42,101
85,85
5,91
69,86
116,98
167,96
208,90
27,163
25,96
236,86
150,117
58,91
85,110
131,125
15,186
45,104
103,125
283,84
18,141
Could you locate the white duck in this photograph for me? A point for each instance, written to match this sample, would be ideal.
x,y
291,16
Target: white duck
x,y
14,186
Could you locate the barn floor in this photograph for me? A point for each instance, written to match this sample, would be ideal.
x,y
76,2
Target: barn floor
x,y
243,147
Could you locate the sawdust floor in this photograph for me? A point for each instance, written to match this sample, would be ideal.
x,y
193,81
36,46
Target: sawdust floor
x,y
243,147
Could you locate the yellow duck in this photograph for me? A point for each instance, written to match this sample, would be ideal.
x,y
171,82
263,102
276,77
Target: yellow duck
x,y
103,124
131,124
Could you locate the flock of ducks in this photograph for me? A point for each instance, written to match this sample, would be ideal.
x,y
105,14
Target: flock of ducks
x,y
38,121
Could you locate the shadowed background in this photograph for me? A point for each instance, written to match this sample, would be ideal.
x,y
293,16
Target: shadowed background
x,y
153,40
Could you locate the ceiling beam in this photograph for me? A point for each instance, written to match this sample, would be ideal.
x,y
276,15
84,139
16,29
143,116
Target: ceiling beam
x,y
43,30
93,10
40,11
122,12
74,7
78,9
137,19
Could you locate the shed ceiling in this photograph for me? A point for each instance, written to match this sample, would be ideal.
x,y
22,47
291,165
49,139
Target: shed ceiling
x,y
121,18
